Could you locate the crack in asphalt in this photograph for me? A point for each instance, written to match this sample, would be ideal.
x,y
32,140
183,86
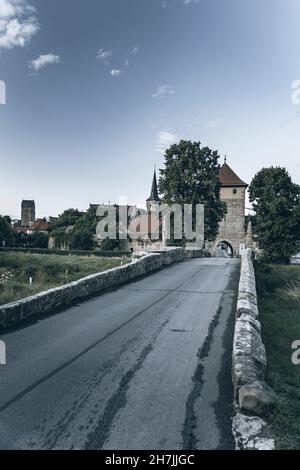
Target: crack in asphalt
x,y
224,410
51,374
60,428
188,432
97,438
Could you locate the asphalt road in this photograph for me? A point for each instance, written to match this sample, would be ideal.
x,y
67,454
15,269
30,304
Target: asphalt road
x,y
146,366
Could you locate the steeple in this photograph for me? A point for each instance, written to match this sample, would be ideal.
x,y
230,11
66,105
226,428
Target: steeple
x,y
154,191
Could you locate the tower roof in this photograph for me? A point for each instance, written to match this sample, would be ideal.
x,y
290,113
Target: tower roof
x,y
154,191
229,178
28,203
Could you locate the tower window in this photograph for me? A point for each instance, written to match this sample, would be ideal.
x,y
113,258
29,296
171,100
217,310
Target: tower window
x,y
235,191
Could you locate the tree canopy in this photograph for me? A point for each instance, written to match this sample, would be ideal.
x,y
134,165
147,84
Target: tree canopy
x,y
68,217
191,176
6,231
276,202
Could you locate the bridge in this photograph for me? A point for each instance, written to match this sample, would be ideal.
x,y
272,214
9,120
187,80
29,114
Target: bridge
x,y
145,366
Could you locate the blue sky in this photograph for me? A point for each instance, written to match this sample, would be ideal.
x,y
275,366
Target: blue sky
x,y
96,89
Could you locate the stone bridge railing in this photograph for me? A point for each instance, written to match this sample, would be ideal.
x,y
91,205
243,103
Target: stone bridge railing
x,y
254,400
60,297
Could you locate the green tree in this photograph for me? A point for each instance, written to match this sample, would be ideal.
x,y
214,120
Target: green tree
x,y
191,176
86,226
81,239
276,202
38,240
21,240
68,217
6,232
82,236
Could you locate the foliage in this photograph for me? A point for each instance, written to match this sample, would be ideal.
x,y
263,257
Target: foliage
x,y
81,239
191,176
67,218
33,240
278,298
110,245
276,202
6,231
38,240
82,236
47,271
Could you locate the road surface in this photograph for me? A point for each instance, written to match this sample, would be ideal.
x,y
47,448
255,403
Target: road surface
x,y
146,366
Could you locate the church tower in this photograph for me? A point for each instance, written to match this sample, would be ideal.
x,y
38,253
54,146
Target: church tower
x,y
233,193
27,213
153,201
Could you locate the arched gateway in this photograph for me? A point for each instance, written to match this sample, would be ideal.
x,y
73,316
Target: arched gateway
x,y
225,249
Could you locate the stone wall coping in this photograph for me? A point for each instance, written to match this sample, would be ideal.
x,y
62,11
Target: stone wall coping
x,y
254,400
55,298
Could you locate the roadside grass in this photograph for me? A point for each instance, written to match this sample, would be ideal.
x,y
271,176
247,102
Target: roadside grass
x,y
47,271
278,289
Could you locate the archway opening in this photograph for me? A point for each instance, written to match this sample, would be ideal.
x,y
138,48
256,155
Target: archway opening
x,y
224,250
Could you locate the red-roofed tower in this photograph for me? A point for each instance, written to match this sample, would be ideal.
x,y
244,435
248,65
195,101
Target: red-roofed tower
x,y
233,191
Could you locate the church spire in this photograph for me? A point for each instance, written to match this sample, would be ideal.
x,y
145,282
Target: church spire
x,y
154,191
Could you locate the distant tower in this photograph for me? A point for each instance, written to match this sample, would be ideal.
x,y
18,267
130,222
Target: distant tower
x,y
233,193
27,213
153,201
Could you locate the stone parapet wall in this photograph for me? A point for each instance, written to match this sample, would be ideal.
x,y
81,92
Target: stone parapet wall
x,y
59,297
254,400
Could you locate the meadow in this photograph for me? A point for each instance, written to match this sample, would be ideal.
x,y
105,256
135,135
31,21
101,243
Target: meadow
x,y
24,274
279,307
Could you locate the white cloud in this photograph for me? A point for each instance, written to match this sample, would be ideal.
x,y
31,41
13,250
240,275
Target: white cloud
x,y
163,91
172,3
43,60
102,54
164,140
134,51
18,23
115,72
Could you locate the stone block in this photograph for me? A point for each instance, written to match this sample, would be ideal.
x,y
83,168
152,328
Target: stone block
x,y
256,398
245,306
252,433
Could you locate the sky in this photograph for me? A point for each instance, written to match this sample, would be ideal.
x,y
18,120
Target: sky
x,y
96,90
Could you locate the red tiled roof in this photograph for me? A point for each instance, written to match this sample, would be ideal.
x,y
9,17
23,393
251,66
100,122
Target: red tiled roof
x,y
40,225
229,178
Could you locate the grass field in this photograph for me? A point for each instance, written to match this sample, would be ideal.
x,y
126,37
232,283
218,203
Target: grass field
x,y
47,271
279,303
